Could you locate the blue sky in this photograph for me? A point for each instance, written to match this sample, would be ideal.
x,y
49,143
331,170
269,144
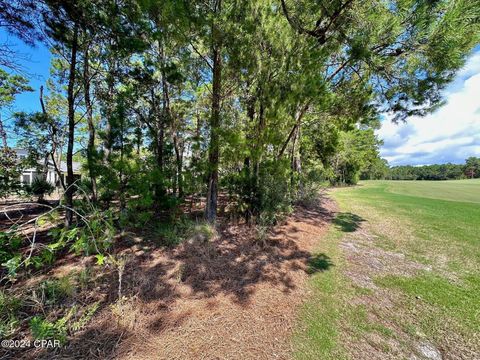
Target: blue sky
x,y
451,134
35,63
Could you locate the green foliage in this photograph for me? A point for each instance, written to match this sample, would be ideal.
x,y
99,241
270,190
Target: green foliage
x,y
357,153
10,257
85,318
472,167
309,190
10,243
377,169
73,320
93,235
12,265
10,171
10,86
436,172
301,83
54,291
40,134
9,307
43,329
173,233
275,192
45,257
266,197
40,187
263,100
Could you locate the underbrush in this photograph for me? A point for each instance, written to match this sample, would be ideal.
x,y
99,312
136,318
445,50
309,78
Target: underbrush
x,y
74,320
57,307
171,234
53,309
9,307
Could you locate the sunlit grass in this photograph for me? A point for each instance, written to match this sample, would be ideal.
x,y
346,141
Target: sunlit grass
x,y
433,223
453,190
317,335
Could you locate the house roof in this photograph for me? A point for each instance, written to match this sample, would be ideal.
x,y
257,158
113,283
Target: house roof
x,y
76,166
63,165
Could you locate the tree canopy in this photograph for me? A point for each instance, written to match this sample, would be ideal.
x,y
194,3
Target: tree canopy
x,y
257,100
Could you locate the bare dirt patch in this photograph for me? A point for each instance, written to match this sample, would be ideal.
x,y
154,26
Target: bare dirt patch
x,y
385,308
19,212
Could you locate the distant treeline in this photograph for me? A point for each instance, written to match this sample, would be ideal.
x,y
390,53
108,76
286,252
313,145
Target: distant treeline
x,y
471,169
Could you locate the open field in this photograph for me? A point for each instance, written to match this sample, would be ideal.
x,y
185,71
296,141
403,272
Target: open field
x,y
454,190
406,280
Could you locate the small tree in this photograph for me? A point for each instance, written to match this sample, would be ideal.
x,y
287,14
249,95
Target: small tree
x,y
40,187
472,167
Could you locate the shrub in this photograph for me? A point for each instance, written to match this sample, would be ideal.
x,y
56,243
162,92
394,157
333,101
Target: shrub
x,y
40,187
9,306
45,257
10,243
85,318
204,230
308,191
10,171
174,233
269,194
93,235
71,322
10,257
43,329
55,290
275,192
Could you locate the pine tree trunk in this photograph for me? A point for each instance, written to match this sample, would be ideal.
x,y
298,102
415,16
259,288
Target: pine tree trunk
x,y
296,164
214,147
71,130
179,162
108,143
91,127
47,155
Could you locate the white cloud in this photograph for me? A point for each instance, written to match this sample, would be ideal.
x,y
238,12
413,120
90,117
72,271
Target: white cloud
x,y
450,134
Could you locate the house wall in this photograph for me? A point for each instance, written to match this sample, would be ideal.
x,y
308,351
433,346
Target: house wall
x,y
29,175
52,177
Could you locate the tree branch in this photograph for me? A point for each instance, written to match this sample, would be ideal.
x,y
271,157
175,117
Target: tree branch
x,y
298,121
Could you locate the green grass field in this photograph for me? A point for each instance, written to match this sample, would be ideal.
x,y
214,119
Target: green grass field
x,y
406,274
454,190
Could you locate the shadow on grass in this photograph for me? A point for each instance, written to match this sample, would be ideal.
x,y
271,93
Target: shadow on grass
x,y
319,263
347,222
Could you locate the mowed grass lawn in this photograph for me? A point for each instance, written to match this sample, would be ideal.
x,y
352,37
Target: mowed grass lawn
x,y
410,288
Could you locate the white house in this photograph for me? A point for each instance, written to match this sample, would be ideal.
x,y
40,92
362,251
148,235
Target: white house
x,y
30,174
